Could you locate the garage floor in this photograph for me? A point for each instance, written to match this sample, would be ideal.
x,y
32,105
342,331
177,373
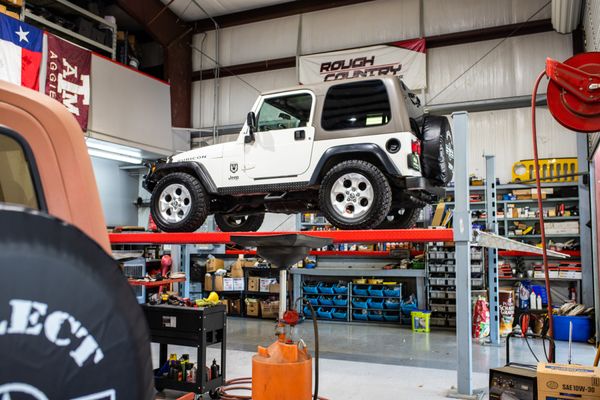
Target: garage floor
x,y
361,362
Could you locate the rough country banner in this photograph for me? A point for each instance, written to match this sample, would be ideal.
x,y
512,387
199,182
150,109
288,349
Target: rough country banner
x,y
68,77
404,59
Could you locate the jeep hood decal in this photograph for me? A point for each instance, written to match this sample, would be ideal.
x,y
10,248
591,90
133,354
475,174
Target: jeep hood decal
x,y
215,151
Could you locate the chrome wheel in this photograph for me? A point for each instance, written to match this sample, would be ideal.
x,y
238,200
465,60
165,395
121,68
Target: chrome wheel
x,y
352,195
175,202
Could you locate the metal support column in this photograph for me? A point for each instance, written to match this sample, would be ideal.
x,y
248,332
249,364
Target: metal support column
x,y
492,253
585,231
462,238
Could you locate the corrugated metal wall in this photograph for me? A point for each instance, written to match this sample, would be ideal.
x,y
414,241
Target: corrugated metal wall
x,y
508,71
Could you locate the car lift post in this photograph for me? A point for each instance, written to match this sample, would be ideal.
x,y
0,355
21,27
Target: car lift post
x,y
462,240
492,256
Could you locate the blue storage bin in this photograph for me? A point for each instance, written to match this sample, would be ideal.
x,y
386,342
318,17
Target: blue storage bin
x,y
340,302
582,328
375,291
325,301
360,291
392,305
391,317
360,316
407,308
307,311
375,317
340,289
313,300
360,304
326,289
375,303
322,313
311,289
339,314
391,292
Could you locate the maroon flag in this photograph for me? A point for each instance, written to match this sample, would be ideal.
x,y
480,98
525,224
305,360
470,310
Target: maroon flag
x,y
68,77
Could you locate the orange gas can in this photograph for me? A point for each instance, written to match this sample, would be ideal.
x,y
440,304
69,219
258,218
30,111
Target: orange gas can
x,y
282,372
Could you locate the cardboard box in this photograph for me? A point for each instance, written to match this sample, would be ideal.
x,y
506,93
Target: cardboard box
x,y
558,381
253,283
18,3
208,282
269,309
213,264
235,307
226,304
227,284
252,307
2,8
237,269
12,14
238,284
274,288
265,283
218,286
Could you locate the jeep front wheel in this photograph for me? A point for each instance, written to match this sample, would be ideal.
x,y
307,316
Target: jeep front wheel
x,y
355,194
179,203
239,223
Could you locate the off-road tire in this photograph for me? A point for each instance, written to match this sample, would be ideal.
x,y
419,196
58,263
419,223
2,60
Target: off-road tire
x,y
199,205
251,224
407,220
382,195
437,159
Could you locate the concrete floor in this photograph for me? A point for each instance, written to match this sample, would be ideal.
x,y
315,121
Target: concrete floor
x,y
362,362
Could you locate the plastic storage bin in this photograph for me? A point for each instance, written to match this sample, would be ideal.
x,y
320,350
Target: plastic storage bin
x,y
359,303
325,301
339,314
360,291
375,291
420,321
392,292
407,308
375,303
314,300
360,316
340,302
340,289
390,317
375,317
311,289
392,305
307,311
325,313
582,328
326,288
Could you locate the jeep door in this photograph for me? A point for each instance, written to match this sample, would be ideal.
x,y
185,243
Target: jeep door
x,y
284,136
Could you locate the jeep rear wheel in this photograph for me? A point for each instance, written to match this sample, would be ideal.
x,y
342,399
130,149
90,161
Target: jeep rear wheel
x,y
179,203
355,195
401,218
239,223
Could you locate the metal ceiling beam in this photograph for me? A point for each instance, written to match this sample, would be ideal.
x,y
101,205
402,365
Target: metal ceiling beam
x,y
176,37
476,35
271,12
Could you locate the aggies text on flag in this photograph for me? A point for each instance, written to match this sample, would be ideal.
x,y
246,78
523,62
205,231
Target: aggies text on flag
x,y
20,52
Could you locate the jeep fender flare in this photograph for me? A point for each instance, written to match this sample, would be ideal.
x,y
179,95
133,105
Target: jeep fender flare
x,y
193,168
370,149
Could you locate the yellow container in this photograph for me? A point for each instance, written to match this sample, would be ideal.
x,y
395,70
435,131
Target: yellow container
x,y
359,281
551,170
420,321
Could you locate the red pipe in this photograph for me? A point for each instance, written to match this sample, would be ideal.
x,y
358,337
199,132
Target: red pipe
x,y
538,186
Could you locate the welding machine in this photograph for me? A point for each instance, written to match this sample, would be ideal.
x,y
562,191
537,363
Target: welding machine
x,y
515,381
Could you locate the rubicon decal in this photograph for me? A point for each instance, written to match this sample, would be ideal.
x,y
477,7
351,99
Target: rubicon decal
x,y
58,327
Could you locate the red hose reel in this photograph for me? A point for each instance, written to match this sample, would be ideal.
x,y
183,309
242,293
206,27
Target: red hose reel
x,y
574,91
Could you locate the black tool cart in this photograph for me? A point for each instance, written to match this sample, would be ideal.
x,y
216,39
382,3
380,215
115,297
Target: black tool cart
x,y
193,327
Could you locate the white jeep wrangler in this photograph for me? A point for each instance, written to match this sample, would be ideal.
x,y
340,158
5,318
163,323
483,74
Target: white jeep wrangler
x,y
362,152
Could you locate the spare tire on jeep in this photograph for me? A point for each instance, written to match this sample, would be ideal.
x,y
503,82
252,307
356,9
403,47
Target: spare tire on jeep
x,y
438,149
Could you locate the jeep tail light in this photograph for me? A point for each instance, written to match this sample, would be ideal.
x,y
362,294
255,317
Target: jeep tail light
x,y
416,147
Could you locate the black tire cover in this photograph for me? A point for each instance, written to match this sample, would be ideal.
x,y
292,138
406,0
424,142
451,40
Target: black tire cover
x,y
70,326
438,149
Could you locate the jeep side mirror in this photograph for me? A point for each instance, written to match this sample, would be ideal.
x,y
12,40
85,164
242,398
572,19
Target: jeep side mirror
x,y
251,122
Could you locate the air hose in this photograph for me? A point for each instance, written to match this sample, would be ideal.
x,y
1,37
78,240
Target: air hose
x,y
541,212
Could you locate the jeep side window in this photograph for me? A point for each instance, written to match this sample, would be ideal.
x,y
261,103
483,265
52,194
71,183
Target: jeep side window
x,y
17,184
356,105
285,112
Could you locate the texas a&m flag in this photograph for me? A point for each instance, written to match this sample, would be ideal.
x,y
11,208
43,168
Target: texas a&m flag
x,y
20,52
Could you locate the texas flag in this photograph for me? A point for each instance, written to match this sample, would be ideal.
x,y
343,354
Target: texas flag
x,y
20,52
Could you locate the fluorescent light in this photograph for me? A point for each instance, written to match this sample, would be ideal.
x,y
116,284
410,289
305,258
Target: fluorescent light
x,y
113,148
113,156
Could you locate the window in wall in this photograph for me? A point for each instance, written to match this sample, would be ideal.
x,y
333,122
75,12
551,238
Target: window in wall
x,y
356,105
16,182
285,112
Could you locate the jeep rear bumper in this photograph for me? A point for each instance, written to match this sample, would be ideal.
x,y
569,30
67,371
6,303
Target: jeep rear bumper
x,y
421,184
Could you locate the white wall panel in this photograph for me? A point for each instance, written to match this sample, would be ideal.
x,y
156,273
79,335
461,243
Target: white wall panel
x,y
360,25
275,38
235,97
447,16
509,70
507,135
